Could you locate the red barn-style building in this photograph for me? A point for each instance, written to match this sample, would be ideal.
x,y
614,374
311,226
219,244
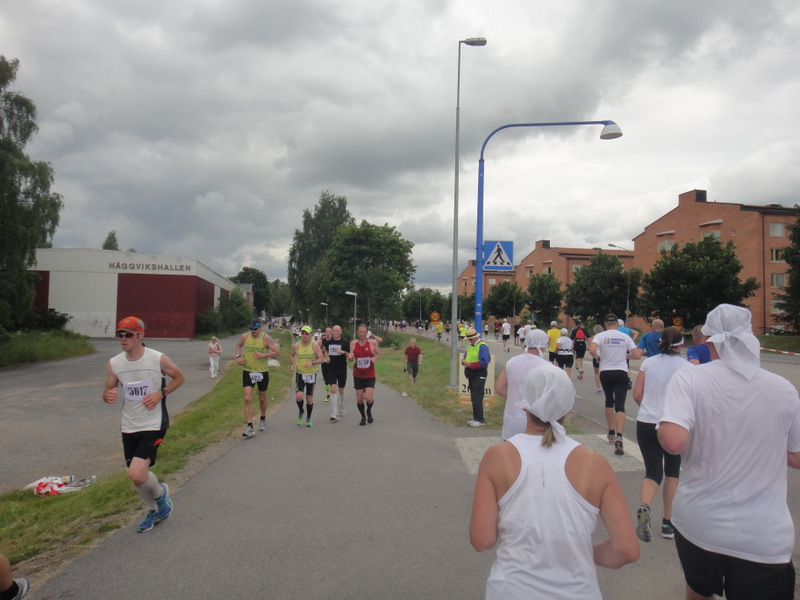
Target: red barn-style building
x,y
97,288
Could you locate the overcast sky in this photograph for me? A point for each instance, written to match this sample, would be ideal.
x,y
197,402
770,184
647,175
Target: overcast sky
x,y
204,128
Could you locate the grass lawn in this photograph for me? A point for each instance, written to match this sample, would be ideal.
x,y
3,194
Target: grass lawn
x,y
37,346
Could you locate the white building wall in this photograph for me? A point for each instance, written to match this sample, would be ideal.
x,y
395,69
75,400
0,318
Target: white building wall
x,y
90,298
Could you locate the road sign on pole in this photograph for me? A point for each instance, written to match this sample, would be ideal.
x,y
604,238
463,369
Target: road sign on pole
x,y
499,256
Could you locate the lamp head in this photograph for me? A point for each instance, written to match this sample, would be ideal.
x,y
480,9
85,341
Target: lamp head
x,y
611,131
474,41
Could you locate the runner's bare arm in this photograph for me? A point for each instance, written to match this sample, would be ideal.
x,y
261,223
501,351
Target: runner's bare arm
x,y
110,390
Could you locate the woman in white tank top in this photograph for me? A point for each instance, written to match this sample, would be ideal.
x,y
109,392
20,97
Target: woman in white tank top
x,y
538,496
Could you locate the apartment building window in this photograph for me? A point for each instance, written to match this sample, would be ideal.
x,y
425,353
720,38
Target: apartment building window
x,y
774,307
576,268
712,233
776,254
492,280
547,270
665,245
777,230
777,280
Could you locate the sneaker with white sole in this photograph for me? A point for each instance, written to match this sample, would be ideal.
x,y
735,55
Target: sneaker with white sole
x,y
477,424
164,504
262,426
23,585
667,530
643,523
150,520
248,432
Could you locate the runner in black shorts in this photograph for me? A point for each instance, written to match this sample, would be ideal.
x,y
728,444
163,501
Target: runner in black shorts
x,y
335,350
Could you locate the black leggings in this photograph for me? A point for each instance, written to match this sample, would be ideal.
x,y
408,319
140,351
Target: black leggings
x,y
657,463
615,387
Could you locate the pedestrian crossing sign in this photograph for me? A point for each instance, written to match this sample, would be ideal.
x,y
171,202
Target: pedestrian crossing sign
x,y
499,256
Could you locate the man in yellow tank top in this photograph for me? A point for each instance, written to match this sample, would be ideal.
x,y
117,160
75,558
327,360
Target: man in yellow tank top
x,y
253,352
306,355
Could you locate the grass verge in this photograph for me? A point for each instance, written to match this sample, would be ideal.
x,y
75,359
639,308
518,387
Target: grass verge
x,y
787,343
70,523
430,391
36,346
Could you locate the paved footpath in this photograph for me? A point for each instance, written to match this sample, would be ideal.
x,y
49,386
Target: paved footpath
x,y
333,511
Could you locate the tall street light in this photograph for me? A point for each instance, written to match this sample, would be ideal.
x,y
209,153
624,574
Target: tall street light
x,y
476,41
610,131
628,297
355,304
325,304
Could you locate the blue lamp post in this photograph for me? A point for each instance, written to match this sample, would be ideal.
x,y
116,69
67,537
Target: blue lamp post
x,y
610,131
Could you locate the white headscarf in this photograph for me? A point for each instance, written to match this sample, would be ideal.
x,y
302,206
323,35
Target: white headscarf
x,y
537,339
547,393
728,328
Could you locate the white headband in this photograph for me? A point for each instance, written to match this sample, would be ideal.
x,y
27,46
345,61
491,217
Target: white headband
x,y
547,393
728,327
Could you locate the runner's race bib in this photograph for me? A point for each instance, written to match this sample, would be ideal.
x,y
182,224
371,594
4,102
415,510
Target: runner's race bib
x,y
310,378
256,377
135,391
363,362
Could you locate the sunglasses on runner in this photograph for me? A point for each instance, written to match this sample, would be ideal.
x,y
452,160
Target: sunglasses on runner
x,y
125,334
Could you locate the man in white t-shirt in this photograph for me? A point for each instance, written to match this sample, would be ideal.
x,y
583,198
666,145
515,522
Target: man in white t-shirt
x,y
506,335
515,419
736,426
611,348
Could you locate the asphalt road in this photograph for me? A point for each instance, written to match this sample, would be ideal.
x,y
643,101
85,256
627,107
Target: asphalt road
x,y
335,511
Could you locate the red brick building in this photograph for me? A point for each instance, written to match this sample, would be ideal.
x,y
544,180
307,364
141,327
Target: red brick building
x,y
759,233
561,262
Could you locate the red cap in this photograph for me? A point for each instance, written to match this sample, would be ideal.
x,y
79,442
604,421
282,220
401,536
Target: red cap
x,y
132,324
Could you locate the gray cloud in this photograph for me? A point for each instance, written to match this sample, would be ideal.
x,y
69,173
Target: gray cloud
x,y
205,129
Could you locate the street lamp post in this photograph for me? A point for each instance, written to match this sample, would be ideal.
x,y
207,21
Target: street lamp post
x,y
628,296
610,131
325,304
477,41
355,304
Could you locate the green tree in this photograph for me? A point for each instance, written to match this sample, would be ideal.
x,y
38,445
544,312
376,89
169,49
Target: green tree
x,y
789,299
423,300
505,300
235,311
29,211
374,261
602,287
281,297
262,292
307,254
688,282
544,297
111,242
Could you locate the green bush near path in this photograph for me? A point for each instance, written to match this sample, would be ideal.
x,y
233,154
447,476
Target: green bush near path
x,y
37,346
